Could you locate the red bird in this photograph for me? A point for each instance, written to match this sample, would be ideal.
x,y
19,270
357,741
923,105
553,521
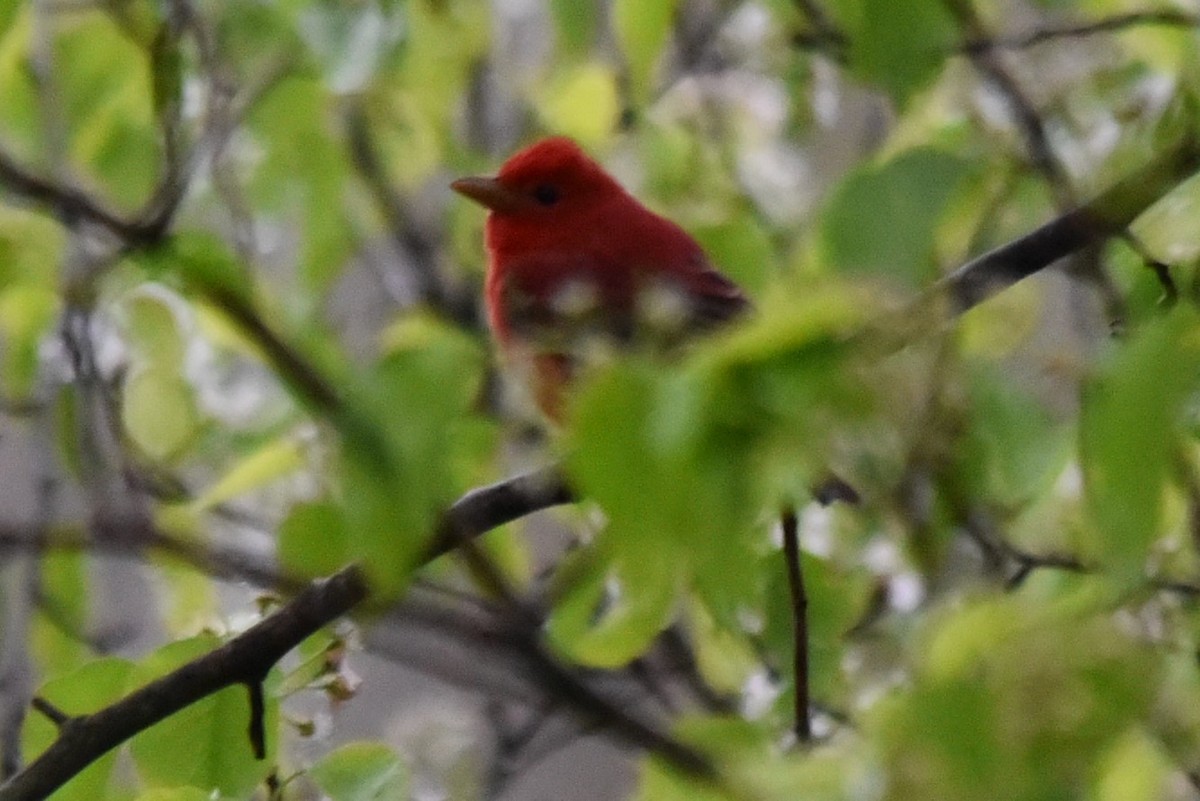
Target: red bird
x,y
577,265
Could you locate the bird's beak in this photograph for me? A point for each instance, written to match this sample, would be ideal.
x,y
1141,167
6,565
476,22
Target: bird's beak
x,y
490,193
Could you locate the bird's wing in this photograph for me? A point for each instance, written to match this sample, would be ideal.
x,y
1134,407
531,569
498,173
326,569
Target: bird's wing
x,y
715,299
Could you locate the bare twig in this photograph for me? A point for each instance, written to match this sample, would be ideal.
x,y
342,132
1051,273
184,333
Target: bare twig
x,y
823,34
563,682
245,659
795,573
990,63
1114,24
406,235
1104,216
496,504
50,711
1026,116
68,204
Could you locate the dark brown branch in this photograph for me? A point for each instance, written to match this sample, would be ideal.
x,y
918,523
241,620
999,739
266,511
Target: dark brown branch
x,y
301,375
50,711
1029,122
1104,216
795,573
563,682
487,507
1113,24
68,204
473,514
822,33
245,659
1027,562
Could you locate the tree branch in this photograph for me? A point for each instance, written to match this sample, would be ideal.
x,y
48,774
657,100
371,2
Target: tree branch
x,y
68,204
795,573
245,659
1113,24
487,507
1025,114
1104,216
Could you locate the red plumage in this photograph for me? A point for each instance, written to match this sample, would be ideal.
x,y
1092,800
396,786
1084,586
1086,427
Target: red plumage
x,y
573,257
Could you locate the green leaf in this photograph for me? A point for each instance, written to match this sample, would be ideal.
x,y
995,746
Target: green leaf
x,y
204,745
152,328
190,599
362,771
158,411
313,540
652,447
576,24
31,247
1135,769
446,43
398,471
272,461
167,70
303,174
27,312
725,657
1165,228
582,103
1130,434
65,589
8,13
898,46
203,261
107,93
22,106
882,218
1009,320
642,28
754,765
1013,448
87,689
1002,679
597,631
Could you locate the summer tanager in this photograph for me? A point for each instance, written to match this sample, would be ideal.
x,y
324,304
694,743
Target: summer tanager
x,y
577,266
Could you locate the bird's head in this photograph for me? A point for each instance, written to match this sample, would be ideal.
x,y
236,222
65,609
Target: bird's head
x,y
549,186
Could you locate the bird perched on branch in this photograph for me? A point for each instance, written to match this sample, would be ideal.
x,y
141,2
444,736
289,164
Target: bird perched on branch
x,y
577,267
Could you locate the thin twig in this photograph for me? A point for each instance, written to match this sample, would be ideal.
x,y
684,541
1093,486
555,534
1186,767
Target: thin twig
x,y
822,34
245,659
795,574
1025,114
564,683
1113,24
50,711
420,249
1104,216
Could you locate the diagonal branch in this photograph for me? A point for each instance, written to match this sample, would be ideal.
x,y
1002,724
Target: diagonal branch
x,y
1113,24
245,659
487,507
68,204
1104,216
1028,120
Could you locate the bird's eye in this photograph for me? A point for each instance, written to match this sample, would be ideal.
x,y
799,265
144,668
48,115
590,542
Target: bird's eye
x,y
546,194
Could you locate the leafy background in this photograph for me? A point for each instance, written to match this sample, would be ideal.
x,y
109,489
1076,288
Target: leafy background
x,y
241,346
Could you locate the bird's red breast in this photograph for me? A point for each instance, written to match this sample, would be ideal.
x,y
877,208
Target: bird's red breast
x,y
575,260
